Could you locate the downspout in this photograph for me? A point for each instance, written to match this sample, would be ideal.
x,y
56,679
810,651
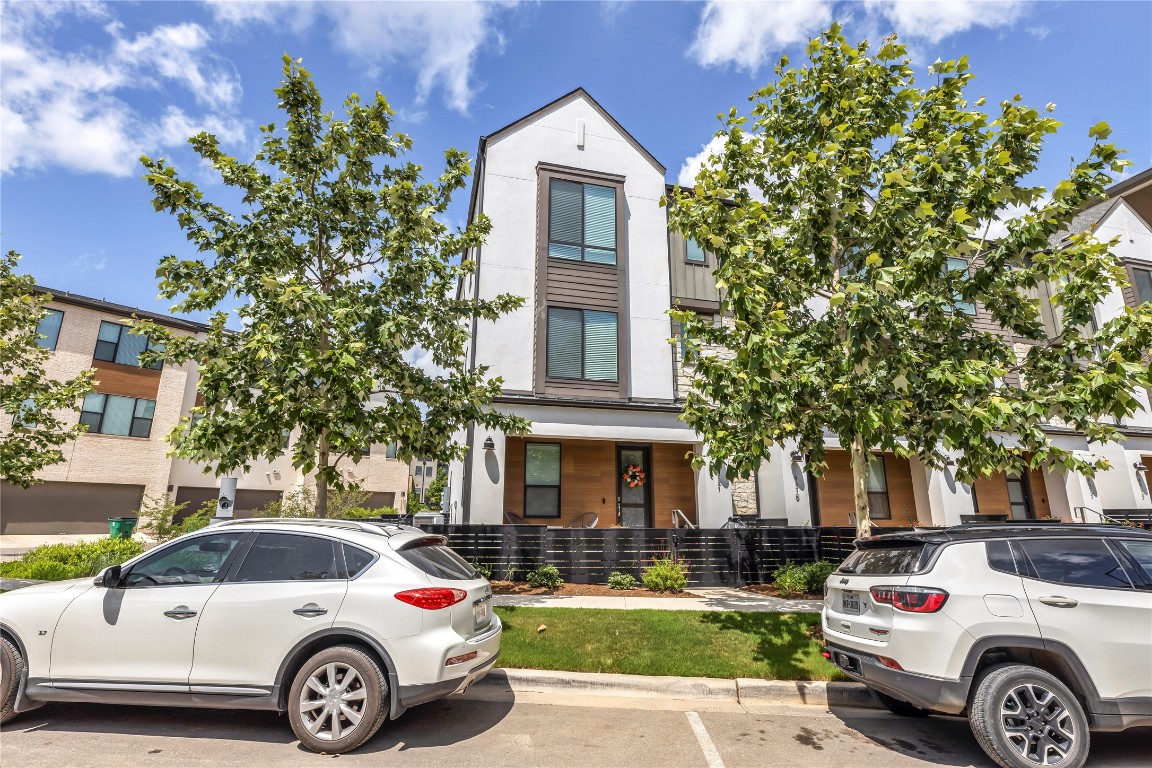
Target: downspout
x,y
475,204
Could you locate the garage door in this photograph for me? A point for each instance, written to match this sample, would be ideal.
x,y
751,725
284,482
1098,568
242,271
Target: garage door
x,y
247,501
66,507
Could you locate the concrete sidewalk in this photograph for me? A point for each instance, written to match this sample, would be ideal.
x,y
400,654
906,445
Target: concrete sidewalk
x,y
707,599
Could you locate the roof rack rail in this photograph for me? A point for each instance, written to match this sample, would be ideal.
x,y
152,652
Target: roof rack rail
x,y
348,525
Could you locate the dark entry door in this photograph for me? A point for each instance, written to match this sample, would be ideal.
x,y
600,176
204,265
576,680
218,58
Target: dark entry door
x,y
1020,497
634,483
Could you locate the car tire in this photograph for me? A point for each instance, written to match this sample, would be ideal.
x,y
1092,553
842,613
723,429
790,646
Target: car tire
x,y
338,700
899,707
11,675
1022,715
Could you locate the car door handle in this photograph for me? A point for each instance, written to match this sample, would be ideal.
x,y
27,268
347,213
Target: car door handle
x,y
311,610
180,612
1056,601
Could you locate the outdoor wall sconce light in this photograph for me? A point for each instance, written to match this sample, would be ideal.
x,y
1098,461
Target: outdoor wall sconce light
x,y
1140,466
797,457
949,462
489,444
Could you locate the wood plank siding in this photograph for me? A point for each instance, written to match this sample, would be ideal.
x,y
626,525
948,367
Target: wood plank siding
x,y
583,285
694,282
126,380
992,495
588,481
834,491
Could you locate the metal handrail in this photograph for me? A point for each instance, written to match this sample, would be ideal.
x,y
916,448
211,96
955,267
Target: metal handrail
x,y
680,520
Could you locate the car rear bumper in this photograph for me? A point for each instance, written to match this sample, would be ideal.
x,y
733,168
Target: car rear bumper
x,y
458,677
936,694
411,695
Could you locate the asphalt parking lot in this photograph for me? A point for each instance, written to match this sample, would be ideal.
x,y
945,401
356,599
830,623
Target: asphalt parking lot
x,y
483,729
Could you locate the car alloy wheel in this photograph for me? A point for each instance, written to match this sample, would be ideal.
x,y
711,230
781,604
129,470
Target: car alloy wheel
x,y
1037,724
332,701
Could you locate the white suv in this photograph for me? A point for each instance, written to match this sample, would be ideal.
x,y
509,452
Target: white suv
x,y
1038,633
342,624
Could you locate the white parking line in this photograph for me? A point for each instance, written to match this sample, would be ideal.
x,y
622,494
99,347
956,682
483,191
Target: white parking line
x,y
706,746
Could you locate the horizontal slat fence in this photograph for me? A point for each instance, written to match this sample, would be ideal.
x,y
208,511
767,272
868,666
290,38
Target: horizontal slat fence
x,y
715,557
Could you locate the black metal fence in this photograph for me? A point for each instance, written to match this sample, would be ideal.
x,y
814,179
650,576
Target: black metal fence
x,y
715,557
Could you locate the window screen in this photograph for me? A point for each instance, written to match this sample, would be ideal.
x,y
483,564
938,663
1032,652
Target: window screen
x,y
582,222
542,480
1077,562
289,557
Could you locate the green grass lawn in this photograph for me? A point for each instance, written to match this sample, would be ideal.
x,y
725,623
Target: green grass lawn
x,y
727,644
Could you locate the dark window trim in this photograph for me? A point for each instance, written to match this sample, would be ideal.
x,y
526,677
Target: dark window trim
x,y
559,483
1132,268
132,423
581,245
609,383
119,339
689,261
591,388
59,328
1025,478
885,493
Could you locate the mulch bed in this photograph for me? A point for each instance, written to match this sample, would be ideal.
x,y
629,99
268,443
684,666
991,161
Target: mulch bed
x,y
771,591
577,590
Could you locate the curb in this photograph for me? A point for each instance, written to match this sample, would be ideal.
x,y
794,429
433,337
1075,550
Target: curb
x,y
740,691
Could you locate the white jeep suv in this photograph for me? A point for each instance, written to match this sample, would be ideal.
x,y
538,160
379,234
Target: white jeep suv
x,y
342,624
1038,633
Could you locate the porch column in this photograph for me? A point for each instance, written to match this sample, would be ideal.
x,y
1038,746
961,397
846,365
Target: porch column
x,y
784,488
947,497
487,466
713,498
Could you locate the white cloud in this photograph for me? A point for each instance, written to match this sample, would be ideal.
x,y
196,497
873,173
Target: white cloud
x,y
749,35
89,262
66,107
439,40
693,164
418,357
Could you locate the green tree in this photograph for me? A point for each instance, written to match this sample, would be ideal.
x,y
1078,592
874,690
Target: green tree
x,y
435,490
33,404
834,209
341,267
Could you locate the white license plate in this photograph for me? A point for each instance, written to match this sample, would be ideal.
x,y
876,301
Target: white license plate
x,y
480,613
850,603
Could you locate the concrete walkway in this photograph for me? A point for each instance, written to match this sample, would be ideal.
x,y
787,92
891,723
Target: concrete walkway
x,y
707,599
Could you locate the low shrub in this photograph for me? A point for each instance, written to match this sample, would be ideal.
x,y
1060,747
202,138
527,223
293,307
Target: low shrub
x,y
157,515
794,579
666,574
618,580
483,570
56,562
546,576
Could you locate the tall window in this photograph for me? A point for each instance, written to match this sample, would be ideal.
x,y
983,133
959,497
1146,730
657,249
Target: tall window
x,y
115,344
582,344
116,415
960,267
390,450
694,254
541,480
878,507
1142,282
48,329
582,222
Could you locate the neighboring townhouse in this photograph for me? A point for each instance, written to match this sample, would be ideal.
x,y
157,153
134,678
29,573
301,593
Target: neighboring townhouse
x,y
577,230
123,456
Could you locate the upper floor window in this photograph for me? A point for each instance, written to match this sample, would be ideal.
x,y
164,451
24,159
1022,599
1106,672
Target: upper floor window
x,y
960,266
48,329
1142,282
582,222
390,450
115,344
116,415
694,254
582,344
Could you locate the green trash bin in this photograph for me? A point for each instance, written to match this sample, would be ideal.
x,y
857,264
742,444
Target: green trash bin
x,y
121,527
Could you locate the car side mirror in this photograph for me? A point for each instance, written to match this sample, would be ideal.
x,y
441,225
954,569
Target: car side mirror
x,y
109,578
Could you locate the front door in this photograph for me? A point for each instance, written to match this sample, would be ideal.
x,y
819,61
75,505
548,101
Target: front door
x,y
634,483
1019,497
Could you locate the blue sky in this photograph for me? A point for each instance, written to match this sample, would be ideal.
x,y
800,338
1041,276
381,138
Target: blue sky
x,y
87,87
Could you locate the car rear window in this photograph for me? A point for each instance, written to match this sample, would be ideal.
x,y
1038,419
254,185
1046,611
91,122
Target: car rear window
x,y
439,561
886,560
1076,562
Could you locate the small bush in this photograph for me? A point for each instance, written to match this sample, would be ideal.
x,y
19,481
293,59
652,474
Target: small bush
x,y
666,574
483,570
793,579
546,576
56,562
618,580
158,517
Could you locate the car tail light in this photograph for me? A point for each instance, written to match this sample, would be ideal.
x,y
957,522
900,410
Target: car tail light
x,y
432,598
890,663
911,599
461,659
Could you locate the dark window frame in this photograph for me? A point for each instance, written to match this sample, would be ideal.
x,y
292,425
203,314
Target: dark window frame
x,y
703,262
559,481
549,376
99,425
1134,269
967,307
122,329
872,508
41,338
583,246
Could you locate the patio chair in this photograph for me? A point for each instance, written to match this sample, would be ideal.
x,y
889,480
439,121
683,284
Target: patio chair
x,y
586,520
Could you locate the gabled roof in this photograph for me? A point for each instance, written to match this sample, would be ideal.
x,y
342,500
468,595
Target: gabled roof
x,y
1098,209
567,99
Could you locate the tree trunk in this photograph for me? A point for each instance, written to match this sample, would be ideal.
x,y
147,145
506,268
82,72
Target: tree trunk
x,y
860,486
322,479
